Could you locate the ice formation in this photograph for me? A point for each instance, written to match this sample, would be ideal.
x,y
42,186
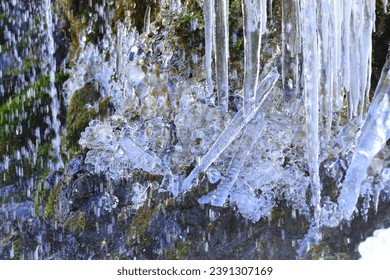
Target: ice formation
x,y
272,145
209,18
221,32
373,136
254,26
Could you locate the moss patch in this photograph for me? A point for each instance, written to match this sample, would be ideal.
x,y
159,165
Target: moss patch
x,y
23,125
322,251
136,9
85,105
77,224
52,202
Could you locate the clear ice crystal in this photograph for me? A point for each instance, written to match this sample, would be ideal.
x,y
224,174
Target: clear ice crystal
x,y
373,136
231,130
248,139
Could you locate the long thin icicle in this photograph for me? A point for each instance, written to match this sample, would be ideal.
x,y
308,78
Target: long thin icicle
x,y
249,138
373,136
336,54
368,19
326,37
147,20
222,52
291,45
209,21
232,130
310,80
354,94
346,46
253,29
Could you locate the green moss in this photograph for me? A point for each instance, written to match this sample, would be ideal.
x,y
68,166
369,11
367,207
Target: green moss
x,y
27,65
24,113
79,115
77,13
180,250
322,251
41,195
77,224
187,37
136,9
52,202
141,176
23,121
140,223
17,243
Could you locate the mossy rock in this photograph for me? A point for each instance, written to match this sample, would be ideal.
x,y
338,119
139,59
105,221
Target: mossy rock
x,y
23,114
76,224
23,123
137,10
180,251
322,251
78,15
86,104
50,209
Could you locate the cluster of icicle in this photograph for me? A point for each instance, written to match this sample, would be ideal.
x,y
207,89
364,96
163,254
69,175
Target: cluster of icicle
x,y
326,55
326,68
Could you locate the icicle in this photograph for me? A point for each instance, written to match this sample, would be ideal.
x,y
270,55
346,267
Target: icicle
x,y
253,28
384,6
326,67
355,59
310,80
291,45
346,46
373,136
145,160
209,14
249,138
147,20
336,54
232,129
222,52
263,16
119,43
365,53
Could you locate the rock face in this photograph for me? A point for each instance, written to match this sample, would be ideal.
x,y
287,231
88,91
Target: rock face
x,y
137,121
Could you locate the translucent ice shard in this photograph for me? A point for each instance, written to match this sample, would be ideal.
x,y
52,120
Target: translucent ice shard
x,y
253,29
147,20
310,80
146,160
232,130
291,45
251,134
367,26
209,21
373,136
222,52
